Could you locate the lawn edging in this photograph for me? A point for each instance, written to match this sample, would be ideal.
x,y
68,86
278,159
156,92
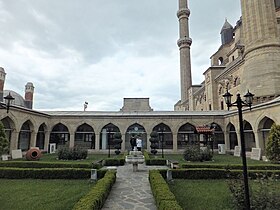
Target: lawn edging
x,y
164,198
97,196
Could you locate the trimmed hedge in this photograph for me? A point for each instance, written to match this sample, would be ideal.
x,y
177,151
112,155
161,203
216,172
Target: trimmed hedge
x,y
115,161
150,161
208,173
233,166
38,164
48,173
97,196
165,199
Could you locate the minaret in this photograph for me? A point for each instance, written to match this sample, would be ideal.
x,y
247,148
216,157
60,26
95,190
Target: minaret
x,y
29,90
184,44
2,82
261,73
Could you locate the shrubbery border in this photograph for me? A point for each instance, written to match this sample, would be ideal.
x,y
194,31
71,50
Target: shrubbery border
x,y
48,173
164,198
232,166
149,161
97,196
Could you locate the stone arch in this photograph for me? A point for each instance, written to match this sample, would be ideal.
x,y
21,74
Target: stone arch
x,y
24,138
233,141
107,136
136,130
264,129
165,136
186,135
249,136
40,138
220,60
9,127
60,135
84,137
218,135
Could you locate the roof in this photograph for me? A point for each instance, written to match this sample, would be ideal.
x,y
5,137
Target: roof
x,y
226,26
204,129
19,101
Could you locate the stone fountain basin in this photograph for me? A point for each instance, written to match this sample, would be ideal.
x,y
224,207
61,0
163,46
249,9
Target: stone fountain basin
x,y
135,159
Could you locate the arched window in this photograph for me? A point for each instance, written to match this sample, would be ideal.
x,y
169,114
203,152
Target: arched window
x,y
186,135
218,135
165,136
221,60
249,136
60,135
136,130
85,137
232,136
24,136
264,128
40,138
107,136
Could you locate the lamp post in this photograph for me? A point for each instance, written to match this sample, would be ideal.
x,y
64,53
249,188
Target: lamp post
x,y
9,98
109,138
239,104
213,126
161,129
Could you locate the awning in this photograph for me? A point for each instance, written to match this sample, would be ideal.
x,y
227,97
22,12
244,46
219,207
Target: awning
x,y
204,130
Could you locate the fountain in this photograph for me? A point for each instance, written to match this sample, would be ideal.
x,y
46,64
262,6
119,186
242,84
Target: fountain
x,y
135,157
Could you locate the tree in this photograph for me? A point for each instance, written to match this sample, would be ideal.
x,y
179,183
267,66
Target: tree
x,y
4,142
273,143
154,142
117,142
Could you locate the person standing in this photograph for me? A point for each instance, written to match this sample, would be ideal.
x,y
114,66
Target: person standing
x,y
132,142
139,143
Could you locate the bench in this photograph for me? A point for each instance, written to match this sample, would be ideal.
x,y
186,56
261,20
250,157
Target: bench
x,y
173,164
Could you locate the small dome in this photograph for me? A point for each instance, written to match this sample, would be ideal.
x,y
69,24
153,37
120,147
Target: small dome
x,y
19,101
226,26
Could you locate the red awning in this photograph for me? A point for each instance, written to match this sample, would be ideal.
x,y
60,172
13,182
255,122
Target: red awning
x,y
204,130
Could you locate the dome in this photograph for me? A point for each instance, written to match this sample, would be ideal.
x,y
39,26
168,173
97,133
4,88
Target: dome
x,y
19,100
226,26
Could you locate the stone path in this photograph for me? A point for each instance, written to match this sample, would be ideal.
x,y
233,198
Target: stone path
x,y
132,189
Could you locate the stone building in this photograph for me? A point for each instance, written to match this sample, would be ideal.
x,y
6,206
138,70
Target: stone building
x,y
247,59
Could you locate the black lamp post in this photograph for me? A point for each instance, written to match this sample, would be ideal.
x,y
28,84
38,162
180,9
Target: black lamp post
x,y
161,130
109,142
213,126
9,98
239,104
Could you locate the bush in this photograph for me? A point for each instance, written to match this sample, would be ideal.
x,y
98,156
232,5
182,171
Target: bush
x,y
95,199
4,142
72,154
164,198
264,196
194,153
233,166
157,161
273,144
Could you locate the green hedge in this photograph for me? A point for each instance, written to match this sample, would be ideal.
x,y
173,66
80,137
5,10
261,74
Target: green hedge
x,y
208,173
114,162
233,166
48,173
38,164
157,161
97,196
165,199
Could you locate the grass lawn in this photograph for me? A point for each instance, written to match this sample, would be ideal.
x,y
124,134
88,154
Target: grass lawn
x,y
201,194
41,194
217,159
207,194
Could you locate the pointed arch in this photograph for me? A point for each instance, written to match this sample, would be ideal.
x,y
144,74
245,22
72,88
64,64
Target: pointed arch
x,y
249,136
60,135
218,135
165,136
107,136
136,130
40,138
24,137
264,129
186,135
85,137
232,136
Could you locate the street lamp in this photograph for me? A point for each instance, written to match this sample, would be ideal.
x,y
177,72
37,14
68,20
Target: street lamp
x,y
9,98
109,143
213,126
239,104
161,129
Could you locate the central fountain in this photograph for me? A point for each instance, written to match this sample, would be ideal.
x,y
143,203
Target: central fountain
x,y
135,157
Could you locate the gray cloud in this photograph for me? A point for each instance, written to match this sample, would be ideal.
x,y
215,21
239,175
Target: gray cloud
x,y
102,51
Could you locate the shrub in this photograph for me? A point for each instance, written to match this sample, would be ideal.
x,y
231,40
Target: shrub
x,y
157,161
154,142
195,153
164,198
72,154
264,196
117,142
273,144
95,199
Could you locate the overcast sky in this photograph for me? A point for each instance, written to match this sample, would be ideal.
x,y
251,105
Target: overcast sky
x,y
101,51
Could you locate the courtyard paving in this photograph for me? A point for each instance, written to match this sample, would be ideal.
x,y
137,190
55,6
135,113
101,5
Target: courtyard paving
x,y
132,189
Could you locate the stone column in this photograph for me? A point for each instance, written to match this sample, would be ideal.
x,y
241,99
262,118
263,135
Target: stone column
x,y
175,141
227,143
14,140
33,136
72,140
97,141
46,141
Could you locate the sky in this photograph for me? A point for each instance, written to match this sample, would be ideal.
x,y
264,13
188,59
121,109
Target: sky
x,y
102,51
